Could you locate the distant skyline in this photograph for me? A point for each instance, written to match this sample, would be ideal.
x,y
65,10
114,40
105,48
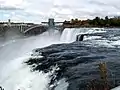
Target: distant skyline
x,y
40,10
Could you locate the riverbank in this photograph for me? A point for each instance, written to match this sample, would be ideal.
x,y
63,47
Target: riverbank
x,y
113,22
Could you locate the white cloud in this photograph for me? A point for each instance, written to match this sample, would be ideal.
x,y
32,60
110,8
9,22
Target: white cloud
x,y
40,10
11,2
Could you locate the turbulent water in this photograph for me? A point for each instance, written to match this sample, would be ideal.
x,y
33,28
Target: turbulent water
x,y
68,66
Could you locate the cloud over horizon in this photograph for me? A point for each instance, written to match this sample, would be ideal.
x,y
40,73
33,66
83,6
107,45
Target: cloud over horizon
x,y
41,10
9,8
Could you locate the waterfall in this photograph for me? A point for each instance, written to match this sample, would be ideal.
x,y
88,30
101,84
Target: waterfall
x,y
69,34
14,73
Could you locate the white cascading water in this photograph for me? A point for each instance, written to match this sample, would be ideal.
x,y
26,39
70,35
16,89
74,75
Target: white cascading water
x,y
15,75
69,35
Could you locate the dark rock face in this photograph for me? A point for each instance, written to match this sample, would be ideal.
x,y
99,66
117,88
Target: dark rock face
x,y
78,63
80,37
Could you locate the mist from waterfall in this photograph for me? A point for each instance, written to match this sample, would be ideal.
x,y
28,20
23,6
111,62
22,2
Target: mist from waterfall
x,y
15,74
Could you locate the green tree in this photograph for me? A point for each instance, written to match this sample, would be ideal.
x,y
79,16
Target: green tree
x,y
106,18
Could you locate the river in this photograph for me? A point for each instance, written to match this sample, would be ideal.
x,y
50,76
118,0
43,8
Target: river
x,y
15,49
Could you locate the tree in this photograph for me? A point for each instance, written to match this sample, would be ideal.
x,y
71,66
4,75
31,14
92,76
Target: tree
x,y
72,20
106,18
76,20
97,21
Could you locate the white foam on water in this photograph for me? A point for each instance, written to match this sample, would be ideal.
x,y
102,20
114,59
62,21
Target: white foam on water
x,y
101,43
116,42
117,88
91,37
7,43
62,85
69,35
14,73
116,38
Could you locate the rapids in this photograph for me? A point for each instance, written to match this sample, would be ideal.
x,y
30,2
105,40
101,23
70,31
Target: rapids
x,y
50,72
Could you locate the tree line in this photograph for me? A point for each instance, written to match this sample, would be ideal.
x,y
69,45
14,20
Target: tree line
x,y
96,22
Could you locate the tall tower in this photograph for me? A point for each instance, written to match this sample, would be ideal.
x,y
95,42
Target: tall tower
x,y
51,23
9,22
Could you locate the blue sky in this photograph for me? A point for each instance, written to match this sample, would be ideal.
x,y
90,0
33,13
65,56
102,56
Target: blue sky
x,y
41,10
